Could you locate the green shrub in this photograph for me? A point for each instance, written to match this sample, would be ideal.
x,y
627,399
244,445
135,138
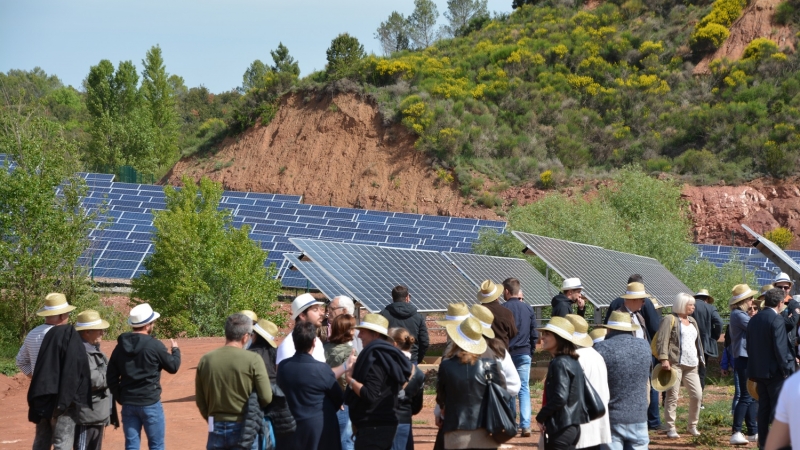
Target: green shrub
x,y
709,37
781,236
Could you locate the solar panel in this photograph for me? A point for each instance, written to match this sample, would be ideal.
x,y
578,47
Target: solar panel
x,y
658,281
318,277
775,254
369,273
535,287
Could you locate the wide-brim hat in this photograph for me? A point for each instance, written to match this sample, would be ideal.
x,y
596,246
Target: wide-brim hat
x,y
635,291
456,313
570,284
783,278
55,304
303,302
489,292
752,389
621,321
661,380
267,330
376,323
740,293
655,302
581,334
485,317
703,293
90,320
142,315
561,327
763,291
598,334
250,314
468,335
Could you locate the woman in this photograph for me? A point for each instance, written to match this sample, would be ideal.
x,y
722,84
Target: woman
x,y
277,415
410,402
461,386
742,308
563,410
497,349
337,350
680,348
597,432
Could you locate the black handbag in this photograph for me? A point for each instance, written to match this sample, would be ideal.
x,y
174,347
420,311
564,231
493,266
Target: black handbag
x,y
592,401
495,413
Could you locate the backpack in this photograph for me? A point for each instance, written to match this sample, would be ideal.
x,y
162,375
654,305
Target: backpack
x,y
653,348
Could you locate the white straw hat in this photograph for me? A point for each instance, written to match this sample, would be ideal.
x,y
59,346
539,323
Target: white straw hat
x,y
783,278
141,315
570,284
581,334
55,304
90,320
635,291
267,330
456,313
468,336
483,315
621,321
303,302
489,292
376,323
561,327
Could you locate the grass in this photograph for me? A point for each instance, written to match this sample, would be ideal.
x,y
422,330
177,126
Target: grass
x,y
8,353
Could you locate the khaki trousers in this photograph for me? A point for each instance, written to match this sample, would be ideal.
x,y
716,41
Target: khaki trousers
x,y
689,378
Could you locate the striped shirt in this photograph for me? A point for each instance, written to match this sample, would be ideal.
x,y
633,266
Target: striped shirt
x,y
26,358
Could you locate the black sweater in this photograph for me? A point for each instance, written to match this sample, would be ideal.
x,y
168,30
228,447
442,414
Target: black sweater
x,y
383,370
134,370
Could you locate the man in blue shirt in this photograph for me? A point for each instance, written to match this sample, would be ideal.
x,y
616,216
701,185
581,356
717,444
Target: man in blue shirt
x,y
521,348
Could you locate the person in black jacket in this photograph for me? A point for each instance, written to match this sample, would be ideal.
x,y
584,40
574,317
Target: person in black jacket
x,y
134,378
710,325
409,401
563,410
791,313
402,314
570,295
769,360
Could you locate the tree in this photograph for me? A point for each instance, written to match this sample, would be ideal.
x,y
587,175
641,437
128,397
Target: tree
x,y
159,98
422,24
254,75
518,3
344,52
284,63
460,12
203,269
393,34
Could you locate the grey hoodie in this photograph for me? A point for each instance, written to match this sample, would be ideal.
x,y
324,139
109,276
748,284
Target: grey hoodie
x,y
99,412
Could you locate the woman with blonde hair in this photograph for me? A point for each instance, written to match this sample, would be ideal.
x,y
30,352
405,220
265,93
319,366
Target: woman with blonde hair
x,y
680,349
409,401
742,306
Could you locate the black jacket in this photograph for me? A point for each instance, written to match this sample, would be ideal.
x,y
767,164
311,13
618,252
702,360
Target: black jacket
x,y
791,315
563,306
563,389
405,315
710,325
767,351
61,378
278,410
409,400
134,369
652,318
460,389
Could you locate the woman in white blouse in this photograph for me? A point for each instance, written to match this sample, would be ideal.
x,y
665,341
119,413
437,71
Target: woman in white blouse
x,y
680,348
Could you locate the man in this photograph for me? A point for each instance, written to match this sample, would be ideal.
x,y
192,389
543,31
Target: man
x,y
305,308
504,325
570,295
521,348
791,311
55,312
710,325
94,418
134,378
628,361
401,313
60,384
373,384
340,305
649,310
769,360
224,381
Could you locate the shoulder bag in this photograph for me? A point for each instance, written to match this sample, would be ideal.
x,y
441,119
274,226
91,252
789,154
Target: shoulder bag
x,y
495,413
592,401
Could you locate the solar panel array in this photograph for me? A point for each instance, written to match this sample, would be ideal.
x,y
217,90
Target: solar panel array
x,y
765,270
312,271
603,273
368,273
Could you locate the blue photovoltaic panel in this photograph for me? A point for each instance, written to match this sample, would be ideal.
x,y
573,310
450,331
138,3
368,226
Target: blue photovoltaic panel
x,y
315,274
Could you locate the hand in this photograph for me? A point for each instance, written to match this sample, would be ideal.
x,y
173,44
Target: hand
x,y
665,364
581,303
351,362
439,422
723,372
174,343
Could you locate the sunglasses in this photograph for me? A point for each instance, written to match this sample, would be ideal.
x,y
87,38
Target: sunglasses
x,y
785,288
753,308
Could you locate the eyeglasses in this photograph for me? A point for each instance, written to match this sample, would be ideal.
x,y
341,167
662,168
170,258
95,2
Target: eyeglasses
x,y
785,288
753,308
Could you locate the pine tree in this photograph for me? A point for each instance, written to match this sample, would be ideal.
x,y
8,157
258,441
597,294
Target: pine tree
x,y
422,24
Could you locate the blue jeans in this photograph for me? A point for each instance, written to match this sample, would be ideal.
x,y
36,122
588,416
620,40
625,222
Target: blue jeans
x,y
402,436
735,390
523,365
151,417
747,407
345,428
629,436
226,435
653,411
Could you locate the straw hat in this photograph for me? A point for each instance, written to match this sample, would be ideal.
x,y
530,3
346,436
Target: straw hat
x,y
661,380
90,320
376,323
468,335
561,327
303,302
635,291
485,317
655,302
489,292
456,312
581,334
740,293
267,330
783,278
55,304
570,284
598,334
752,390
764,290
620,321
250,314
141,315
703,293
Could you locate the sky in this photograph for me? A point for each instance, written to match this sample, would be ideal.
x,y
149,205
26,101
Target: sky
x,y
209,43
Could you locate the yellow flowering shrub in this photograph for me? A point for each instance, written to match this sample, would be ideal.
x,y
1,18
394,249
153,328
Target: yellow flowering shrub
x,y
759,48
650,47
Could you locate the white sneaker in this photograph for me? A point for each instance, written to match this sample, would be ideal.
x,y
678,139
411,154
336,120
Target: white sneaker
x,y
673,434
738,439
753,438
693,431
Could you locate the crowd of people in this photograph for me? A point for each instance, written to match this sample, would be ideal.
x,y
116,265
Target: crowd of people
x,y
337,382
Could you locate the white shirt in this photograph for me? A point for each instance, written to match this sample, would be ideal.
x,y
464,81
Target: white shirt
x,y
26,358
689,346
597,431
286,350
788,409
635,320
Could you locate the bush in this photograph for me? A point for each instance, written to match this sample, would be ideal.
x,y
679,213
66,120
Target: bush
x,y
781,236
709,37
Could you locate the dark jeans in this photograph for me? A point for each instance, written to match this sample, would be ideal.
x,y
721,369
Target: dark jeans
x,y
375,438
57,433
747,407
564,439
768,390
225,435
653,411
